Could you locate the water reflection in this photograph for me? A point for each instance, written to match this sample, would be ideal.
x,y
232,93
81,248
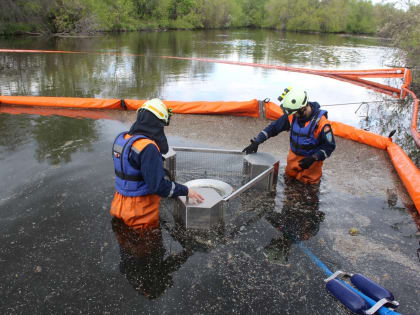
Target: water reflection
x,y
143,261
14,132
125,66
57,138
297,217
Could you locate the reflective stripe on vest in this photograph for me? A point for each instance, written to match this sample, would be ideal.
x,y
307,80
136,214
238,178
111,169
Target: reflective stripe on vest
x,y
129,180
302,139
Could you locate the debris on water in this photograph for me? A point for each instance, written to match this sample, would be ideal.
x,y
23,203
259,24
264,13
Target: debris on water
x,y
391,197
353,231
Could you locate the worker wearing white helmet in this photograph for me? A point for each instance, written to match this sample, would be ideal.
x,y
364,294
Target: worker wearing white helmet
x,y
140,178
311,136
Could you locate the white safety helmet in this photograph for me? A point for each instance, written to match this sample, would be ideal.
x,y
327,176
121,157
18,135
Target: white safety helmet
x,y
293,99
158,108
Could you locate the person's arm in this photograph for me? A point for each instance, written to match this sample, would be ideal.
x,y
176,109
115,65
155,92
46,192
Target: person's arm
x,y
151,166
273,129
327,143
150,162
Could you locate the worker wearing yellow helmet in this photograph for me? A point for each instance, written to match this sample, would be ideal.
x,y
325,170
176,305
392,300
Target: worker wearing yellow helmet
x,y
158,108
140,178
311,136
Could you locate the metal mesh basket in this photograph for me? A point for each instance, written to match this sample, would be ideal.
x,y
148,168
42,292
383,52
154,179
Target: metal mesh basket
x,y
228,167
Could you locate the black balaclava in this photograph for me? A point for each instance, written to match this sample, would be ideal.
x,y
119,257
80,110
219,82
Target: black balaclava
x,y
147,124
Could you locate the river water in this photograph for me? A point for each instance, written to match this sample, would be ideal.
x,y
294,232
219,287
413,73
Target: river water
x,y
61,253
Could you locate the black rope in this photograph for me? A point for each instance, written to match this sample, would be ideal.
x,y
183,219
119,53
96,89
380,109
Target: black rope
x,y
123,105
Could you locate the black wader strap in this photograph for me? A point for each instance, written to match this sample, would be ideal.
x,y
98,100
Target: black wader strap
x,y
128,177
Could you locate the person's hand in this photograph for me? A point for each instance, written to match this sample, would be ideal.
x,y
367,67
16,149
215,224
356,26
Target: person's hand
x,y
252,148
195,196
306,162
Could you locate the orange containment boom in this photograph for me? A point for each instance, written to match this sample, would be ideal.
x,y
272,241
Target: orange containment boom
x,y
245,108
69,102
413,129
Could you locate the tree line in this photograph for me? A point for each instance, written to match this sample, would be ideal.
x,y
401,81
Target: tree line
x,y
84,16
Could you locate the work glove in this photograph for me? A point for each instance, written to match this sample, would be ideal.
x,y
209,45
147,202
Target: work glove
x,y
252,148
306,162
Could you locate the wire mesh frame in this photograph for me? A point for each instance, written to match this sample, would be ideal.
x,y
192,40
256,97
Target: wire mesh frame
x,y
197,163
230,166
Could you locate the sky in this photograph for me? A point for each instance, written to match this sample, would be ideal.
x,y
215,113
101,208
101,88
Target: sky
x,y
400,3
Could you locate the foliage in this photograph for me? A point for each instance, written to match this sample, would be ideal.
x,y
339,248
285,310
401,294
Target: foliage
x,y
115,15
332,16
254,12
67,16
78,16
215,13
403,27
21,16
360,17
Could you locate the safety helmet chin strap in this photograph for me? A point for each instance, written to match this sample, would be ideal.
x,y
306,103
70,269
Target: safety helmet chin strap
x,y
169,116
288,111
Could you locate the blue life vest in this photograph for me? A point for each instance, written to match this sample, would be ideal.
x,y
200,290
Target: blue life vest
x,y
128,180
302,139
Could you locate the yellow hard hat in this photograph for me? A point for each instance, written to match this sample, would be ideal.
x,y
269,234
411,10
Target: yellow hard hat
x,y
158,108
293,99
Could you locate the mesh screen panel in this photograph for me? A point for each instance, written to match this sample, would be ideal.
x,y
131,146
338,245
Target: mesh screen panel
x,y
222,165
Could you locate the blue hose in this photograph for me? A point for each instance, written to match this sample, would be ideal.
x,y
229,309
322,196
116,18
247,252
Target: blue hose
x,y
383,310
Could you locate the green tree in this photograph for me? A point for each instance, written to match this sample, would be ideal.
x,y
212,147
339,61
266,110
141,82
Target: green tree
x,y
403,28
360,18
217,13
115,15
179,8
299,15
71,16
145,8
278,13
332,17
254,12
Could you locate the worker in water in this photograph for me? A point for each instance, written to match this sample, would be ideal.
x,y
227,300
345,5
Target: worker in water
x,y
140,177
311,136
